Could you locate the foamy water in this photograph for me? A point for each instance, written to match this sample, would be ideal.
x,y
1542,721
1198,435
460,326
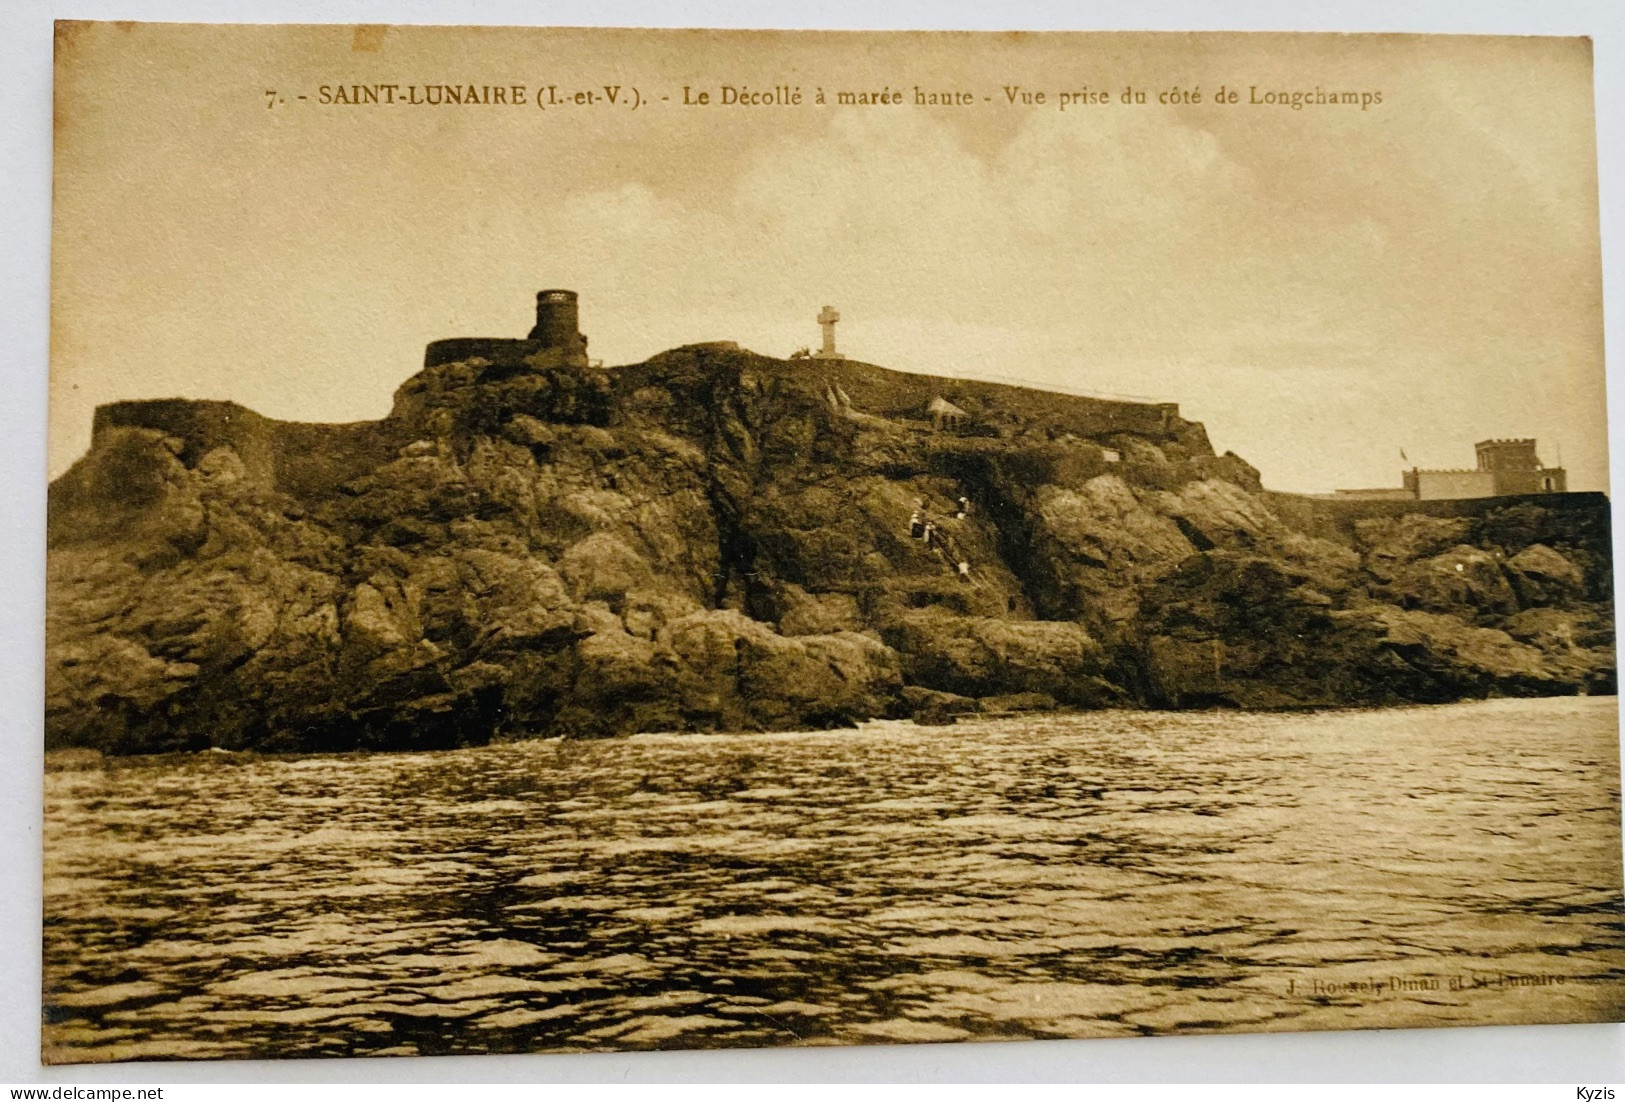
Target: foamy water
x,y
1082,875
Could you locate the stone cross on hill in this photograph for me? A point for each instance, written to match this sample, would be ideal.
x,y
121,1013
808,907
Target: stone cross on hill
x,y
827,317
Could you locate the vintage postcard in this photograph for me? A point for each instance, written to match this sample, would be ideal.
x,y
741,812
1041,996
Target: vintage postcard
x,y
567,540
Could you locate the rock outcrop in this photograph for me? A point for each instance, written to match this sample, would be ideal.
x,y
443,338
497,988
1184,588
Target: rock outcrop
x,y
717,540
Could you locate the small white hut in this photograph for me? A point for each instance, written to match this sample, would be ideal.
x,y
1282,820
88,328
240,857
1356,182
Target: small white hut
x,y
945,415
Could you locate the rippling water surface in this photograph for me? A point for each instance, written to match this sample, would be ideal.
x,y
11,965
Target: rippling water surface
x,y
1079,875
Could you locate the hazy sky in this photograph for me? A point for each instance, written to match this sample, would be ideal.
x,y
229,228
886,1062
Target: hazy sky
x,y
1322,287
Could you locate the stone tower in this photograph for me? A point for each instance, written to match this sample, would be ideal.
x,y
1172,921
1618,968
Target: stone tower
x,y
558,323
1507,455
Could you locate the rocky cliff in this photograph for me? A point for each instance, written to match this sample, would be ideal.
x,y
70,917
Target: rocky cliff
x,y
718,540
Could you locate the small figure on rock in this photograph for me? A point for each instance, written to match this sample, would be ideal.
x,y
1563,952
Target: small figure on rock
x,y
964,570
916,526
964,509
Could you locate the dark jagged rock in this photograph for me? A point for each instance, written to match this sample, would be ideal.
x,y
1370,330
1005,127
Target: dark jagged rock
x,y
1541,576
984,656
931,708
1465,580
1018,702
1425,618
716,540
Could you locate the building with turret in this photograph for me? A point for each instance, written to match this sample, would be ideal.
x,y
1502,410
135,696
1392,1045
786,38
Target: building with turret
x,y
1505,468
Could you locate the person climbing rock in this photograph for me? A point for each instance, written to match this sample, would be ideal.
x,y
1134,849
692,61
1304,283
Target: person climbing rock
x,y
964,509
964,570
916,526
930,533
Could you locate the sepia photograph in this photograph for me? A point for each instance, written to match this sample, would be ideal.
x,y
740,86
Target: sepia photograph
x,y
565,540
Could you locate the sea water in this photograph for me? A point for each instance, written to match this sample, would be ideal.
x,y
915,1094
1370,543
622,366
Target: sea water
x,y
1097,874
